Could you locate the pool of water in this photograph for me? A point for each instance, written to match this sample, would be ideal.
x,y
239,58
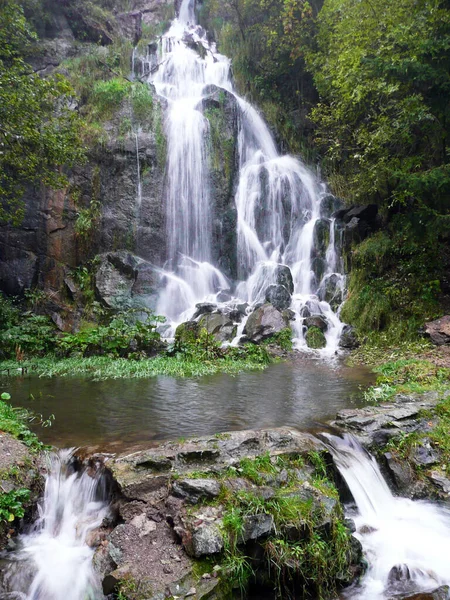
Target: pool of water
x,y
119,414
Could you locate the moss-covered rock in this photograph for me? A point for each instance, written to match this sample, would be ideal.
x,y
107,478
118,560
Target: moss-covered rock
x,y
315,338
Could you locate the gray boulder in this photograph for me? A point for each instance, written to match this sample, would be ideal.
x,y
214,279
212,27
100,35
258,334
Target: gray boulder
x,y
207,539
194,490
219,325
331,290
318,321
264,322
283,276
278,296
348,339
122,280
439,331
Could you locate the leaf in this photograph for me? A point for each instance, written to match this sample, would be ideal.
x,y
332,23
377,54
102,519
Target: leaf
x,y
5,396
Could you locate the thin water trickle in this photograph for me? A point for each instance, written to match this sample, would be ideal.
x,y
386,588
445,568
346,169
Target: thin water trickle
x,y
277,198
406,542
53,560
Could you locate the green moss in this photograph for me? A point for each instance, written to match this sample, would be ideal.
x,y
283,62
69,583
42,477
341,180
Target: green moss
x,y
283,339
223,147
315,338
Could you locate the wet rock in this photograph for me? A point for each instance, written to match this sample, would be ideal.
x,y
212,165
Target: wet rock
x,y
329,205
204,308
283,276
13,596
315,338
264,322
321,236
194,490
400,472
278,296
440,593
439,331
207,539
219,325
331,290
316,321
348,338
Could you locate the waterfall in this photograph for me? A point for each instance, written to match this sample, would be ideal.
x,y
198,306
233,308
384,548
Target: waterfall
x,y
406,542
53,560
277,199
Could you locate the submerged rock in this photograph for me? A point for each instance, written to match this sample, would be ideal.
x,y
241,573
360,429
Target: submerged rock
x,y
264,322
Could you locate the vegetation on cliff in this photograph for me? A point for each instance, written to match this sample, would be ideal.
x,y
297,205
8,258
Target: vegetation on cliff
x,y
40,130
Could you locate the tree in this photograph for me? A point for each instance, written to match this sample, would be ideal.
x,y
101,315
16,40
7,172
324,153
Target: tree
x,y
382,71
39,130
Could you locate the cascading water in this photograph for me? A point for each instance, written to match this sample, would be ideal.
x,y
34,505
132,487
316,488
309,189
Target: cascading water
x,y
278,200
53,560
406,542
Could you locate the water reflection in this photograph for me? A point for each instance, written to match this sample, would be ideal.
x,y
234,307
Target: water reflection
x,y
121,413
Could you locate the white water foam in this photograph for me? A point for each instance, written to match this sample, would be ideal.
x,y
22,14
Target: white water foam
x,y
406,542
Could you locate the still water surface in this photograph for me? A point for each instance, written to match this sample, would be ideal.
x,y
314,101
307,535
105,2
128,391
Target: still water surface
x,y
120,414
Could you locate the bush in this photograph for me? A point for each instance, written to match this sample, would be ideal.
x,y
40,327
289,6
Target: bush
x,y
120,338
32,334
109,95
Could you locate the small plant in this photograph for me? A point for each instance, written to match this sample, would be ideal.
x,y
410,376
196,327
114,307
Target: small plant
x,y
12,504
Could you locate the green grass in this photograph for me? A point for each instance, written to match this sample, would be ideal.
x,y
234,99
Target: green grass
x,y
103,367
15,422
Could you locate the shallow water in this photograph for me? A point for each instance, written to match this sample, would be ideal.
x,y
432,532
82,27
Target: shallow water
x,y
119,414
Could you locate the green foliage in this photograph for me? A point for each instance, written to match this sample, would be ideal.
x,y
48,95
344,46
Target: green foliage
x,y
315,338
283,339
12,504
395,281
39,132
88,217
142,102
30,334
107,96
383,75
120,337
15,421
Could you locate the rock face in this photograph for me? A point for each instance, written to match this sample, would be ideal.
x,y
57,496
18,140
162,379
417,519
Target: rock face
x,y
176,503
264,322
354,224
439,330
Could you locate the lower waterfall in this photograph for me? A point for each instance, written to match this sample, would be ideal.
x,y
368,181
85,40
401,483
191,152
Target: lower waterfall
x,y
406,542
53,560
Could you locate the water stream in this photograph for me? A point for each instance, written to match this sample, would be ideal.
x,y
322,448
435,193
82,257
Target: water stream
x,y
406,542
278,199
53,560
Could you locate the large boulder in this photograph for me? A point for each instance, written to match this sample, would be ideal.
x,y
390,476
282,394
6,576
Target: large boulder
x,y
439,331
278,296
332,290
283,276
264,322
219,325
348,338
123,280
315,338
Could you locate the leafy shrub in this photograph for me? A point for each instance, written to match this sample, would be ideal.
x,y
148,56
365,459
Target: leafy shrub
x,y
118,338
109,95
12,504
32,334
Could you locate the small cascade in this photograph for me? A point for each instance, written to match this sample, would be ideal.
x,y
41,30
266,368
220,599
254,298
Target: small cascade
x,y
278,199
138,169
406,542
53,560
